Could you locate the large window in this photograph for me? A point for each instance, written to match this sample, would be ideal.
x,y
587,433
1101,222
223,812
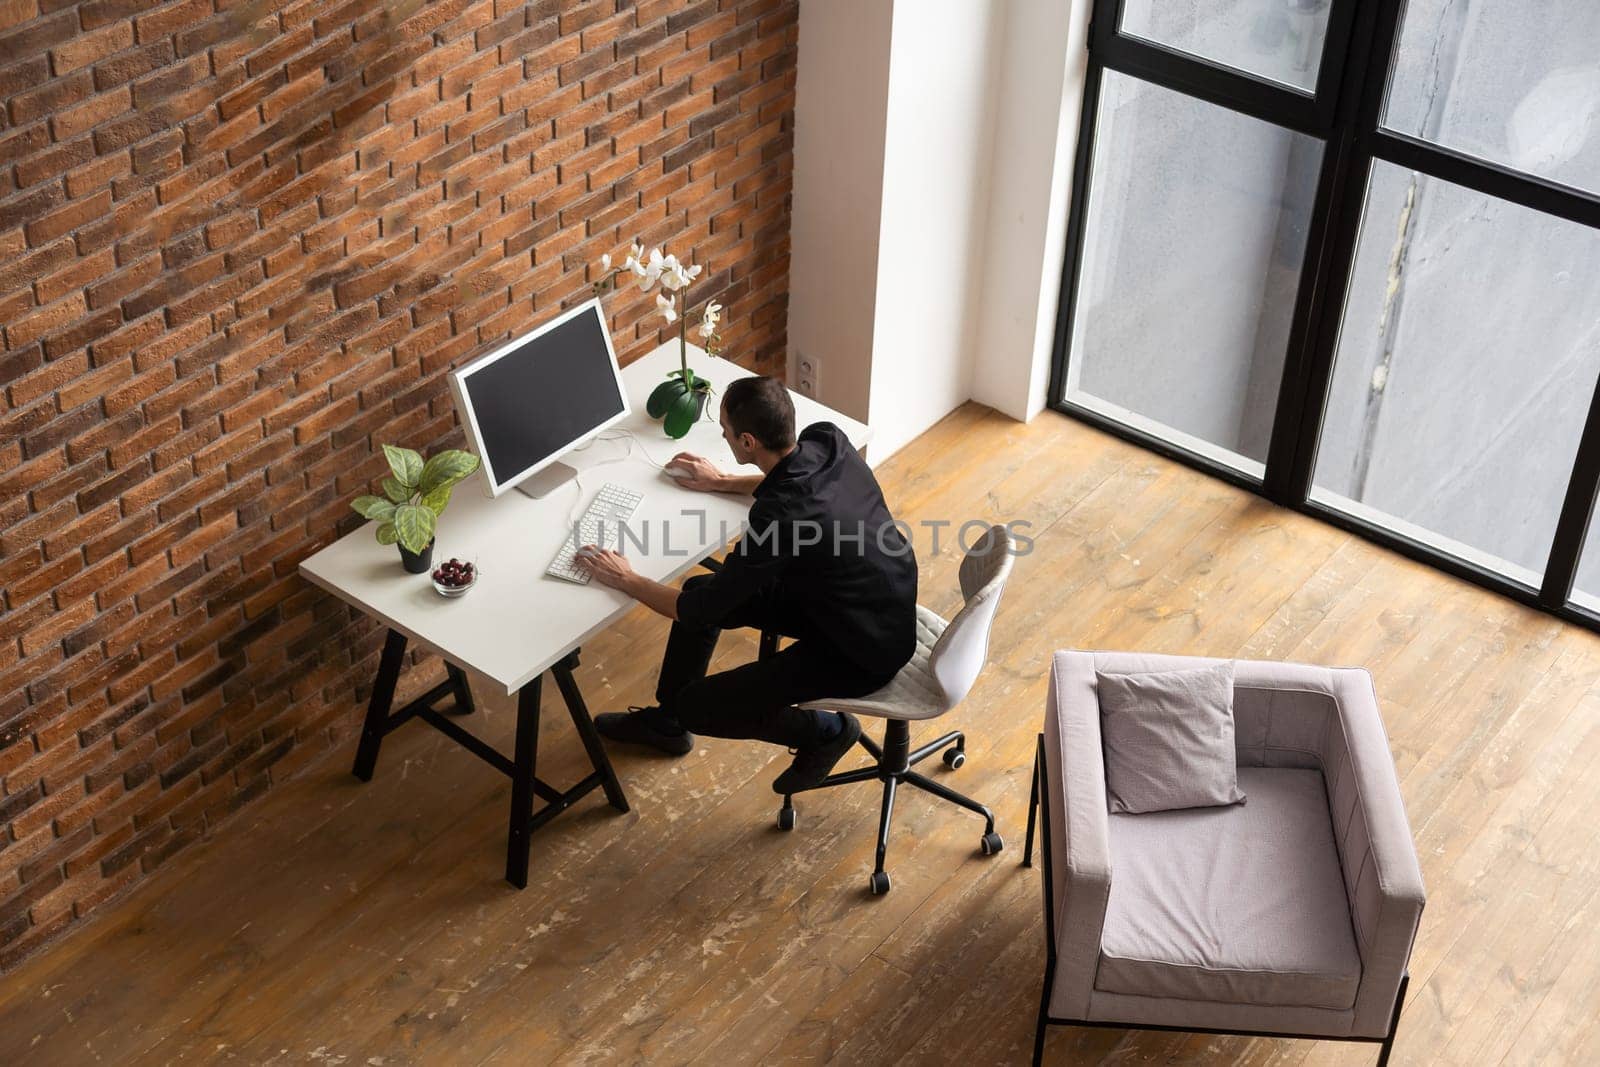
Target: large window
x,y
1348,254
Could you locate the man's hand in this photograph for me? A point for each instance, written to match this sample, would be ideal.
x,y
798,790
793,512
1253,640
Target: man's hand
x,y
612,569
703,474
606,566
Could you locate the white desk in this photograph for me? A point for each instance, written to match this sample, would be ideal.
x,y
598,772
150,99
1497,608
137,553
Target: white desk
x,y
518,623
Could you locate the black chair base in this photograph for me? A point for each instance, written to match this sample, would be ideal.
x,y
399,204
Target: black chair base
x,y
893,766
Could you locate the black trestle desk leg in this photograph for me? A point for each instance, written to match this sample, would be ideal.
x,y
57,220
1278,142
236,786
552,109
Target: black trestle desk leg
x,y
523,763
591,737
462,691
377,720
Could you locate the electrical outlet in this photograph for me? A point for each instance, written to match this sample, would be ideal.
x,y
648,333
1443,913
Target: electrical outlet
x,y
808,375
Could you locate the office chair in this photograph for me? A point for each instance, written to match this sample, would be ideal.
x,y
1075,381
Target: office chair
x,y
941,672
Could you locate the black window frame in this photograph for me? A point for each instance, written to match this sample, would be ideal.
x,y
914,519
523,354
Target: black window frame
x,y
1345,113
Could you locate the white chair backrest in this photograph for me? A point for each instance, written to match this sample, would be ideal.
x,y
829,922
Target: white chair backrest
x,y
959,654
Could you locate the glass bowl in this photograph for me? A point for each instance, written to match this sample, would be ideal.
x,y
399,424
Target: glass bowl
x,y
451,592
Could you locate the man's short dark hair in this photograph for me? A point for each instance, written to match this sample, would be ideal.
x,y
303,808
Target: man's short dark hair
x,y
762,408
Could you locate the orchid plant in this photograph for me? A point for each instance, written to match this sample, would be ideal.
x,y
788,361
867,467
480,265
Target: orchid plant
x,y
680,400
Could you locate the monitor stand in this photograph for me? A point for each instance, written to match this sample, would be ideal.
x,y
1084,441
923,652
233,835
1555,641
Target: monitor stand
x,y
548,480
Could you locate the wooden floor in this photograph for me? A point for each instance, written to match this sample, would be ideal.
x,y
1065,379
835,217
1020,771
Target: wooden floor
x,y
340,923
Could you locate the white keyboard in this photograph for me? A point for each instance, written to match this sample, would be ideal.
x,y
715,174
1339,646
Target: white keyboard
x,y
611,507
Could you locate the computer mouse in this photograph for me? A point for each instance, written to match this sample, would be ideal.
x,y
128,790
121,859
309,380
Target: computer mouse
x,y
677,473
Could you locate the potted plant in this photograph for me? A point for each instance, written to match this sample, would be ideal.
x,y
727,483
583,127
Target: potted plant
x,y
680,400
413,499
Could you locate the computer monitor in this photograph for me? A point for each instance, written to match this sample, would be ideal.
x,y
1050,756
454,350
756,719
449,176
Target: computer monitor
x,y
537,397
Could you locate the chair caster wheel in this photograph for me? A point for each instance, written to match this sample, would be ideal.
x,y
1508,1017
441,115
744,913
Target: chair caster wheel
x,y
991,843
954,758
786,818
879,883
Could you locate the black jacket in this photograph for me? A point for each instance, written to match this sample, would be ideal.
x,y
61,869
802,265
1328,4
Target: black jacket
x,y
821,535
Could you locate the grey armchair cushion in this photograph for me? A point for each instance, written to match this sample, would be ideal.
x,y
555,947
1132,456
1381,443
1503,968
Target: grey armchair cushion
x,y
1168,739
1239,905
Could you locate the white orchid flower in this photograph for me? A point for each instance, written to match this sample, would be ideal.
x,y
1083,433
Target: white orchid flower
x,y
664,304
605,261
649,271
709,320
676,278
692,273
672,278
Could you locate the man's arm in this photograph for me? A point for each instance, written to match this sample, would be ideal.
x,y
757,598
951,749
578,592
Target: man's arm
x,y
752,564
704,475
611,568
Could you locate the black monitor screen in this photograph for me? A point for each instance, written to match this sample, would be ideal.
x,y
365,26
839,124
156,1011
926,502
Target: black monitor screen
x,y
535,400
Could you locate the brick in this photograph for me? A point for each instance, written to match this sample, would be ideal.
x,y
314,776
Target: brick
x,y
129,130
96,13
27,207
84,332
42,166
44,96
21,75
126,66
33,37
170,18
46,320
85,48
69,217
18,273
49,378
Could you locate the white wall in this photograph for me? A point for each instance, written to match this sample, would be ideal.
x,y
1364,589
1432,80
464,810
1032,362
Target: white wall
x,y
933,147
841,98
1039,99
937,155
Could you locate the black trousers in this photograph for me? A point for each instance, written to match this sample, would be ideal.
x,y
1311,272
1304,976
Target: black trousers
x,y
757,699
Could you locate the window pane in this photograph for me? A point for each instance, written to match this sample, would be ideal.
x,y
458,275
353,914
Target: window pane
x,y
1512,82
1586,585
1467,357
1194,232
1280,40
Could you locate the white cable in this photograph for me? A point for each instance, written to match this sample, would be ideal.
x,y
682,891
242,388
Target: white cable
x,y
610,435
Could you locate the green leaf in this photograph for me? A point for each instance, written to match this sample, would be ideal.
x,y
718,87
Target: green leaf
x,y
681,415
436,500
373,507
662,397
387,534
406,464
446,469
415,526
397,493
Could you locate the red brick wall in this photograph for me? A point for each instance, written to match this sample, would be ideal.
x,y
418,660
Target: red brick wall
x,y
240,243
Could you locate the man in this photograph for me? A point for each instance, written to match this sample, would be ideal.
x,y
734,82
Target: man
x,y
822,562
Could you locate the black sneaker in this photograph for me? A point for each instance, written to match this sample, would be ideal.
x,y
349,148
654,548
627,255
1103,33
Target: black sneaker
x,y
811,765
644,726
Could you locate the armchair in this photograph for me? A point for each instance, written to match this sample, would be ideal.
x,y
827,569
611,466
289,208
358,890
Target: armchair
x,y
1291,915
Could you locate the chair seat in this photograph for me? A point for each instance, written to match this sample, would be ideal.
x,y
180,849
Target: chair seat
x,y
913,693
1243,904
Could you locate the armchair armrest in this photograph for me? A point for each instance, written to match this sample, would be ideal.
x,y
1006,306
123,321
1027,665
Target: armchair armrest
x,y
1382,876
1078,831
